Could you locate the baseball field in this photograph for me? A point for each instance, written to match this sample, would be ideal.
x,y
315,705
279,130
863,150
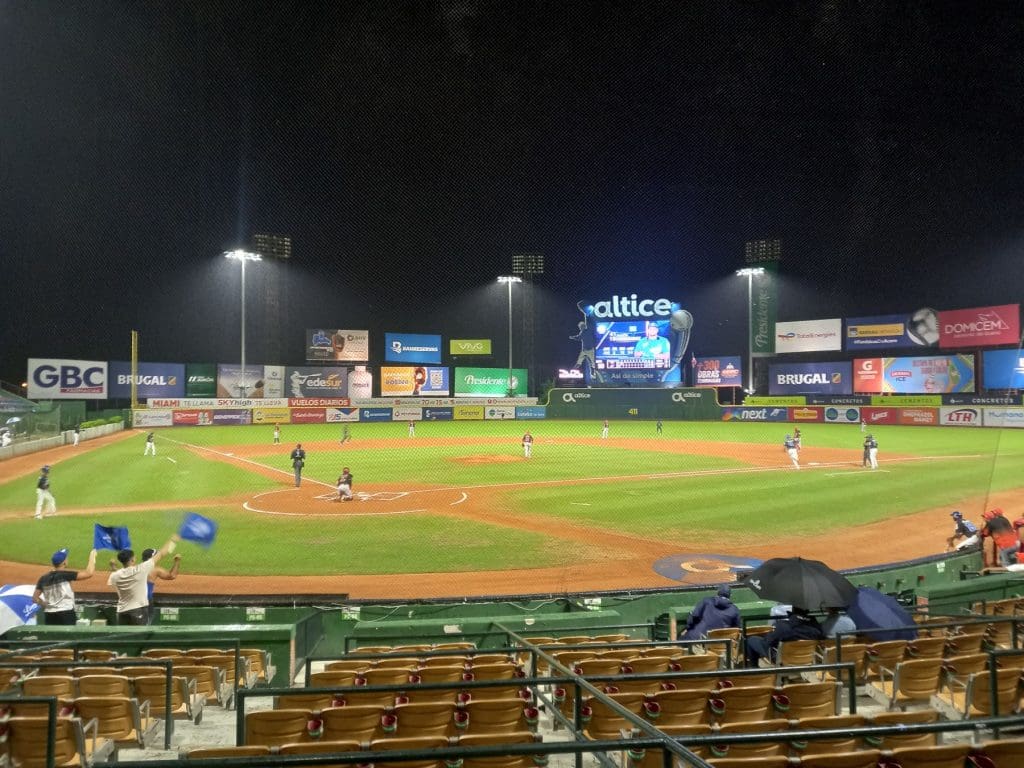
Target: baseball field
x,y
458,510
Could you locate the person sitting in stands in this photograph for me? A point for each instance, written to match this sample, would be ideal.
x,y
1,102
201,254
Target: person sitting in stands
x,y
799,625
712,613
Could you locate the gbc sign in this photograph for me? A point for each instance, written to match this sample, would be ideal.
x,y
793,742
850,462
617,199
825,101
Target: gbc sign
x,y
52,379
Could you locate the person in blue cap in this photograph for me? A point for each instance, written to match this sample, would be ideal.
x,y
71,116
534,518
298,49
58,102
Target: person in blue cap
x,y
964,529
53,590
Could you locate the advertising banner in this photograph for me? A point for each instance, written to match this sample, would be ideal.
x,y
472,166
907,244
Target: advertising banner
x,y
337,346
1012,418
338,415
911,375
838,399
960,417
815,378
569,377
468,412
980,327
375,414
201,380
273,381
214,402
902,401
918,329
308,416
1000,400
199,418
839,415
412,348
330,382
763,301
500,412
58,379
806,414
809,336
271,416
231,383
1002,369
875,415
691,404
438,414
152,380
736,413
419,381
469,346
531,412
406,413
145,418
232,417
484,382
718,372
636,353
318,402
919,417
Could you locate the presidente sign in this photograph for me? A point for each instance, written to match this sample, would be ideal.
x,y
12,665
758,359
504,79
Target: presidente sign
x,y
469,346
489,381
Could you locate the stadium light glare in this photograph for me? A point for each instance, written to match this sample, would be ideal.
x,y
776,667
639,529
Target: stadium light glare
x,y
242,256
508,280
749,273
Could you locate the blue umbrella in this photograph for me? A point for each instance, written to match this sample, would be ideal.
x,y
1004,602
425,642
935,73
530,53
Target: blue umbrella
x,y
16,606
872,609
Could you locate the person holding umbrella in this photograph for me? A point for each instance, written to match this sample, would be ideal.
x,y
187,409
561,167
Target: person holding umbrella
x,y
799,625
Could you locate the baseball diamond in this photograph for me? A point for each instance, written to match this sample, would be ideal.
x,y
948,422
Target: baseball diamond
x,y
461,512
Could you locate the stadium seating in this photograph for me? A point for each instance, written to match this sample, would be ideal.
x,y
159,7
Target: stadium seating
x,y
897,740
274,727
76,744
913,681
118,718
186,704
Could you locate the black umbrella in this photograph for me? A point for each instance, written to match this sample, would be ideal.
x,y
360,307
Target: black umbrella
x,y
808,584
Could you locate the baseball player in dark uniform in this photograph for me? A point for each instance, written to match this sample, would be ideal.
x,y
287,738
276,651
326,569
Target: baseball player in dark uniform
x,y
964,529
298,457
866,461
44,499
345,485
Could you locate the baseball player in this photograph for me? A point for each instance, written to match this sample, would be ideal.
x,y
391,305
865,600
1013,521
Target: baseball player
x,y
277,434
345,485
863,425
43,496
75,436
965,530
412,428
658,427
604,429
796,440
150,445
789,445
527,445
345,436
872,446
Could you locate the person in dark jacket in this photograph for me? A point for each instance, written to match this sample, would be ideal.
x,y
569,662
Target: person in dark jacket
x,y
712,613
799,625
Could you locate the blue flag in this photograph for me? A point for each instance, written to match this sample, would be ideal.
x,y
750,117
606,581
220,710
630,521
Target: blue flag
x,y
110,537
199,529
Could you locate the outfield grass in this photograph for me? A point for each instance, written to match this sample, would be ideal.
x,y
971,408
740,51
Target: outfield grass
x,y
960,463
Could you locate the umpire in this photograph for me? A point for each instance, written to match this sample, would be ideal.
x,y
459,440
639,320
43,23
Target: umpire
x,y
298,462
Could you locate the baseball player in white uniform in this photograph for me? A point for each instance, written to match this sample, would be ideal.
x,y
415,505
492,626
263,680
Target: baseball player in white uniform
x,y
527,445
150,445
44,499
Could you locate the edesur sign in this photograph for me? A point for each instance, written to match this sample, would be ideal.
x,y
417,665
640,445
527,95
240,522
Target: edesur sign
x,y
469,346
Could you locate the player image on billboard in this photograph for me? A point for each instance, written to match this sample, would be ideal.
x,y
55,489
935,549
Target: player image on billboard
x,y
635,351
338,345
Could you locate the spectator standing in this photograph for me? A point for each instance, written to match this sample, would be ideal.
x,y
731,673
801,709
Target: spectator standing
x,y
714,612
53,590
44,499
298,457
131,581
1004,538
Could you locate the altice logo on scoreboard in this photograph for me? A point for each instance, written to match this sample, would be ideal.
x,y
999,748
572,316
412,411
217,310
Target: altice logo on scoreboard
x,y
631,307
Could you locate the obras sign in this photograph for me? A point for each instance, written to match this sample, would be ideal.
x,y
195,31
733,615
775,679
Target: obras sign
x,y
469,346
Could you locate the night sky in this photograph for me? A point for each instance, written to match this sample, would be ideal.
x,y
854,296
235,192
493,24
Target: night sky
x,y
410,148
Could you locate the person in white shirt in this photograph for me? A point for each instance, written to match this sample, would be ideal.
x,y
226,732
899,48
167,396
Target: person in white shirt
x,y
131,582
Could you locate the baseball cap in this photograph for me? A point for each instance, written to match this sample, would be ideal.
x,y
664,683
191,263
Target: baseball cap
x,y
724,591
955,513
59,556
147,553
46,468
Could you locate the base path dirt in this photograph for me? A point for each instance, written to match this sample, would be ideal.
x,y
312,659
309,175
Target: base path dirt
x,y
629,567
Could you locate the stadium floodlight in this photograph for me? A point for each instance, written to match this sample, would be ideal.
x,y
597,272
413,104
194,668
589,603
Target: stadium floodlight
x,y
508,280
749,273
243,256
